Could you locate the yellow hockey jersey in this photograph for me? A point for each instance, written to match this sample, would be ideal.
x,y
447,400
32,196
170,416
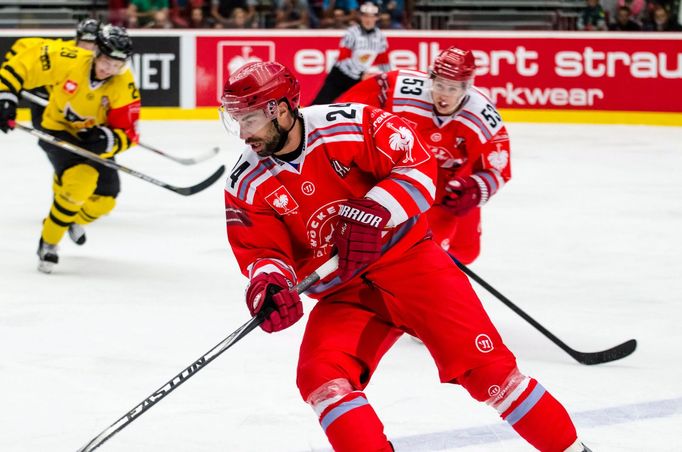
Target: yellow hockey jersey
x,y
76,102
22,44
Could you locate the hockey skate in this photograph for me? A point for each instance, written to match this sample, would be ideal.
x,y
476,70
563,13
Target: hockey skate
x,y
47,255
77,233
578,446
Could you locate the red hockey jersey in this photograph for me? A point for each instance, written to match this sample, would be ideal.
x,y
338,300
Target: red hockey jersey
x,y
281,215
471,140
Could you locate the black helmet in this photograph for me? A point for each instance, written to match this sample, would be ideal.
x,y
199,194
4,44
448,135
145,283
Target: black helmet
x,y
114,42
87,30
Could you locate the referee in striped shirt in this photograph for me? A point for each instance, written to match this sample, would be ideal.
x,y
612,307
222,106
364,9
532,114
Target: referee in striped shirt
x,y
362,46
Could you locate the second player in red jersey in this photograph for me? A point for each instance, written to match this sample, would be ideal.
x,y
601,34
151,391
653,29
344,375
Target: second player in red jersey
x,y
463,130
355,180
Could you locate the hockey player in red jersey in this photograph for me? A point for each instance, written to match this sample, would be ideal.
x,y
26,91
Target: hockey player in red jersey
x,y
356,180
464,131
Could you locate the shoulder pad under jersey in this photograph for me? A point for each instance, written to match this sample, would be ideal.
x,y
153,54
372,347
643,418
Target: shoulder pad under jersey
x,y
480,115
245,177
411,93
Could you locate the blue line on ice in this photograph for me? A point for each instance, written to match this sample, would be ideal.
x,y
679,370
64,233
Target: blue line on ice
x,y
451,439
500,432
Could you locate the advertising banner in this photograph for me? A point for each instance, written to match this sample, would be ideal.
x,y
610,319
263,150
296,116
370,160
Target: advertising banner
x,y
155,64
612,72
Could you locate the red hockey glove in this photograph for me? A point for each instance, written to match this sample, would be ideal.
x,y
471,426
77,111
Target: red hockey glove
x,y
8,111
357,235
465,193
268,295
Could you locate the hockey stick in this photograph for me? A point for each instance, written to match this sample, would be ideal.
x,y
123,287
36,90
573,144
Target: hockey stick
x,y
185,191
181,160
589,358
323,271
185,161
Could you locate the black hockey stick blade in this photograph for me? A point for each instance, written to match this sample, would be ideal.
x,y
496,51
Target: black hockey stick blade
x,y
587,358
187,191
605,356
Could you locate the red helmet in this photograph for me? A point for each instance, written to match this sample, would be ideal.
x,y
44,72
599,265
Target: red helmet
x,y
455,64
257,84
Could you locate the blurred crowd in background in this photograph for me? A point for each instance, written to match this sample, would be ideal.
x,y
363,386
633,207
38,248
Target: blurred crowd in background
x,y
630,15
597,15
250,13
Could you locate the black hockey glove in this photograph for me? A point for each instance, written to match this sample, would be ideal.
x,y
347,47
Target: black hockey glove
x,y
98,139
8,111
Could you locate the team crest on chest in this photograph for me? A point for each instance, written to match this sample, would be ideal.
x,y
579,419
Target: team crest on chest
x,y
436,137
70,86
77,120
282,201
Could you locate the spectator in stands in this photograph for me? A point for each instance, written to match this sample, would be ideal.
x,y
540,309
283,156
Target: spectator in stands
x,y
197,19
391,13
292,14
662,21
240,19
118,12
148,13
225,13
592,17
624,21
338,13
636,7
181,11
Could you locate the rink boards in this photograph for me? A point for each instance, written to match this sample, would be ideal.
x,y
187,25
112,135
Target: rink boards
x,y
626,78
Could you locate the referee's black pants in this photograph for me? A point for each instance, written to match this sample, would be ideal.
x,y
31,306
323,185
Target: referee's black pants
x,y
334,85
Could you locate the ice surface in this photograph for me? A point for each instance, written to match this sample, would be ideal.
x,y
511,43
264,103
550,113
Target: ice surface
x,y
586,238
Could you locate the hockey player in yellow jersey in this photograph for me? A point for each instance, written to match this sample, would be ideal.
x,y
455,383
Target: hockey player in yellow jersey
x,y
94,103
86,33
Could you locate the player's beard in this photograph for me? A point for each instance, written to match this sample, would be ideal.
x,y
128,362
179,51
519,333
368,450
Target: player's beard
x,y
267,145
274,139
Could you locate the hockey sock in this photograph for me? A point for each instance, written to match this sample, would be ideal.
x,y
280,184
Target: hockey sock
x,y
77,185
352,425
95,207
540,419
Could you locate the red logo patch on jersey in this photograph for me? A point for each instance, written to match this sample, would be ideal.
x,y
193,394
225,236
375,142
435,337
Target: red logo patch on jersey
x,y
484,344
308,188
70,86
436,137
282,201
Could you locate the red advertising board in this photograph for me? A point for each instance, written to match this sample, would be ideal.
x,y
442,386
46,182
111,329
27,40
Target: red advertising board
x,y
614,72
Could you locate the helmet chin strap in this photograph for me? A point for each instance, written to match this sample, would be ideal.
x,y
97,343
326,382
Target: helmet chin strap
x,y
283,134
